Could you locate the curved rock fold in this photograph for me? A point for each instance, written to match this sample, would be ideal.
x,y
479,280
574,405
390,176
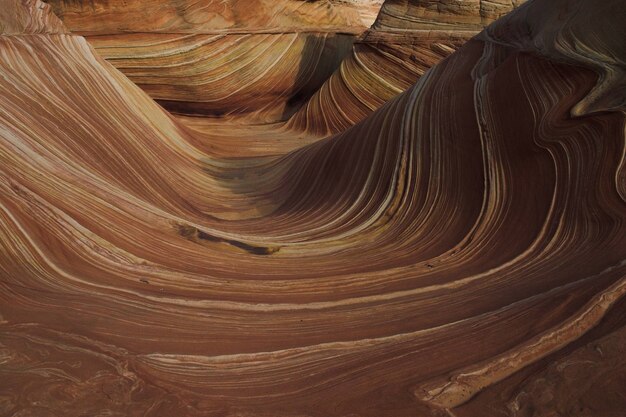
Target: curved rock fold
x,y
458,248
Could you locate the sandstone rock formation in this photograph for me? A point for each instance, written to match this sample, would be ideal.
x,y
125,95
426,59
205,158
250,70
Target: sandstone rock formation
x,y
459,252
408,38
28,18
261,58
226,16
409,15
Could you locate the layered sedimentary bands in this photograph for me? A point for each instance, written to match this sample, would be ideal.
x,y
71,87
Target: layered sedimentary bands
x,y
459,252
261,59
408,38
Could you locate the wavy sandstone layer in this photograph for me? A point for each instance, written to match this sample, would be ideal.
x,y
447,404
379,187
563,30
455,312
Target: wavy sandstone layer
x,y
210,16
408,15
265,76
408,38
262,59
462,249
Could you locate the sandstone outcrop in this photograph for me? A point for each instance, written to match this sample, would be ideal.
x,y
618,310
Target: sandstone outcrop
x,y
408,37
461,249
261,59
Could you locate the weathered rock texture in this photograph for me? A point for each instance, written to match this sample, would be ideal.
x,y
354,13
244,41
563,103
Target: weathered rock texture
x,y
409,15
408,38
226,16
460,252
262,59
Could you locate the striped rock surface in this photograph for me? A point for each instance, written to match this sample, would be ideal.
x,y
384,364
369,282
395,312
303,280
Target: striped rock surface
x,y
262,59
223,16
408,37
408,15
459,252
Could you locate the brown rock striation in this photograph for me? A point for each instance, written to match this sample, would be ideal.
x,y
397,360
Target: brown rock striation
x,y
461,249
470,15
261,59
18,17
209,16
408,37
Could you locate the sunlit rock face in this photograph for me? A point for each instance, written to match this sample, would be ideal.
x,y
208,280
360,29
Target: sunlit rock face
x,y
260,59
459,252
408,37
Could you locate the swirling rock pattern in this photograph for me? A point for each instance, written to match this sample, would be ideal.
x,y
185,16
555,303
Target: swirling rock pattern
x,y
225,16
262,76
262,59
32,18
461,251
407,15
408,37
